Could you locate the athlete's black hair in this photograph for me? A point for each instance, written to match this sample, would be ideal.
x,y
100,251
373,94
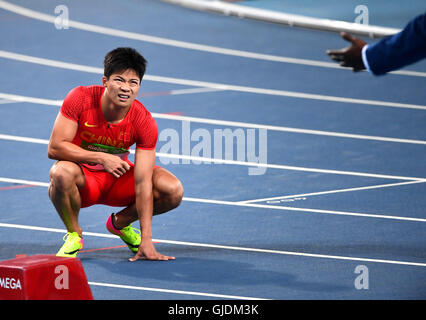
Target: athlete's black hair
x,y
122,59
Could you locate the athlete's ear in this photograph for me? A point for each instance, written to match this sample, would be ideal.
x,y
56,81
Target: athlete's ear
x,y
104,81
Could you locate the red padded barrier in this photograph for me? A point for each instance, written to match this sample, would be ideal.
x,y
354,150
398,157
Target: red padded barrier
x,y
43,277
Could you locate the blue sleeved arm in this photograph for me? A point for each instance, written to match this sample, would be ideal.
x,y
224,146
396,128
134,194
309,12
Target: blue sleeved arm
x,y
399,50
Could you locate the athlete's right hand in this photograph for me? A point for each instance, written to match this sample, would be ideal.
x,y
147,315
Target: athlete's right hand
x,y
114,165
147,251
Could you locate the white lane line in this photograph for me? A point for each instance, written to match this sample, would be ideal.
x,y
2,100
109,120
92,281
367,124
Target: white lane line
x,y
26,182
285,129
255,205
191,293
23,139
306,210
5,101
213,85
238,163
284,167
224,247
19,98
273,199
182,44
195,90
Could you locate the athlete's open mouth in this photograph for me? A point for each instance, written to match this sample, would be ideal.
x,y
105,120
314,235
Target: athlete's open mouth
x,y
123,96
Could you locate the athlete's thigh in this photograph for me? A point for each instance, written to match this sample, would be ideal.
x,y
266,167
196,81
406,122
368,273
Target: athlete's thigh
x,y
122,191
97,184
63,171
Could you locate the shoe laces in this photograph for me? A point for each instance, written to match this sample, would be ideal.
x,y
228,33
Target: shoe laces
x,y
71,235
133,235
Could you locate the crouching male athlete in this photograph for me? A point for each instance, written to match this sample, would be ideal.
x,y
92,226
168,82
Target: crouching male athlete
x,y
90,138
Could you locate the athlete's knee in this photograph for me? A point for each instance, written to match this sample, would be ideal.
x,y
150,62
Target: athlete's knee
x,y
64,175
175,193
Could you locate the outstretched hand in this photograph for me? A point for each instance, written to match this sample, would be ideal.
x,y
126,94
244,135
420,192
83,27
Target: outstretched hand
x,y
350,56
148,252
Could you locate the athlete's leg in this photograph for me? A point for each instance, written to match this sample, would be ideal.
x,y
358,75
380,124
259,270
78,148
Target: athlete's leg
x,y
168,194
167,189
65,179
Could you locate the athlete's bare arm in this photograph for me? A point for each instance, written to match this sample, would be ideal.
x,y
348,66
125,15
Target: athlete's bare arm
x,y
144,166
61,148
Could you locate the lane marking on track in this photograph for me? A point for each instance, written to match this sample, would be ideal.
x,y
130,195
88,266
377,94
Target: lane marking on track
x,y
213,85
191,293
177,117
183,44
239,163
225,247
256,205
278,198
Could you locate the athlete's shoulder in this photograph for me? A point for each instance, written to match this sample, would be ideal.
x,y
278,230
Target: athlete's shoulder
x,y
140,112
142,118
81,99
86,91
85,96
145,126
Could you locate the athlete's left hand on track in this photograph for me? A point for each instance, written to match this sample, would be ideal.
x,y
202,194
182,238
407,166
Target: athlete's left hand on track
x,y
147,251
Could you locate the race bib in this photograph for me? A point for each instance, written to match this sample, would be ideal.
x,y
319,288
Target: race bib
x,y
96,147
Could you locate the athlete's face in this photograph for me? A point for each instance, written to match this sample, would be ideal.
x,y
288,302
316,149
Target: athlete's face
x,y
122,87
